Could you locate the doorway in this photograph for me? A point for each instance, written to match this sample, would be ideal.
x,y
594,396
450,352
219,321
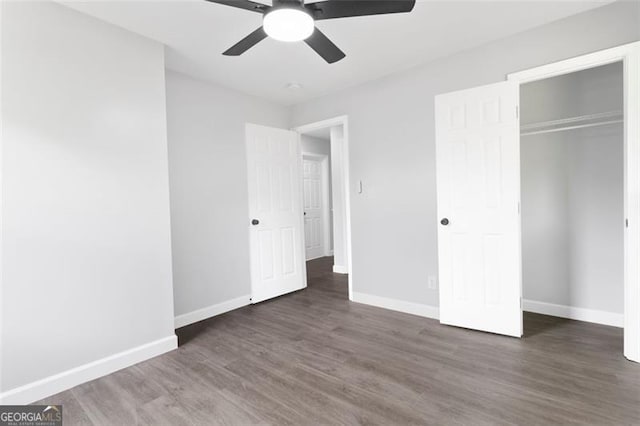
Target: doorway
x,y
626,57
572,195
277,241
317,196
478,143
325,165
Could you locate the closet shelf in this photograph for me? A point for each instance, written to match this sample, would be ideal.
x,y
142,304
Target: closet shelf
x,y
579,122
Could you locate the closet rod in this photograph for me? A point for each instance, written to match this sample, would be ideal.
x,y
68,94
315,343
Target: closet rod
x,y
578,126
588,117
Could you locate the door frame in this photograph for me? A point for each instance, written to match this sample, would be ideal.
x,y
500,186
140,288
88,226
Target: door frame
x,y
326,212
629,55
344,167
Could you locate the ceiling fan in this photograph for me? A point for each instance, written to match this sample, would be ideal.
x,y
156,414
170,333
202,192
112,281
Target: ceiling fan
x,y
293,20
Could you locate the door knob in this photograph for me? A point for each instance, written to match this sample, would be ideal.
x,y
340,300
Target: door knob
x,y
255,222
445,221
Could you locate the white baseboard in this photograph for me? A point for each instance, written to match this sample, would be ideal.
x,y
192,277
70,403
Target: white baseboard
x,y
67,379
339,269
562,311
397,305
315,257
571,312
211,311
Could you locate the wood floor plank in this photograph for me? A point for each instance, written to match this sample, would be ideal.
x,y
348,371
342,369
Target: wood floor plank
x,y
314,358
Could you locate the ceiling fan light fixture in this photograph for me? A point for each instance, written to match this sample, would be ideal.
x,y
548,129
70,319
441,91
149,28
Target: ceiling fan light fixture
x,y
288,24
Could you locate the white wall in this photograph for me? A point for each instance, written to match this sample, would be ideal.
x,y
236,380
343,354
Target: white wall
x,y
209,204
391,125
572,194
313,145
545,218
86,233
596,238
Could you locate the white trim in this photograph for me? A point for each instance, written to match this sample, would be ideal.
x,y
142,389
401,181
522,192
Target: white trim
x,y
578,63
342,120
629,54
1,224
211,311
340,269
426,311
574,313
323,124
632,205
347,180
316,257
67,379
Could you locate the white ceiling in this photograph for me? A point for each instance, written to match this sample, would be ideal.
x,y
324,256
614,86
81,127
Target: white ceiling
x,y
196,32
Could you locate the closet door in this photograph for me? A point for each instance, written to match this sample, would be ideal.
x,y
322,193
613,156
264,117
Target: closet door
x,y
478,183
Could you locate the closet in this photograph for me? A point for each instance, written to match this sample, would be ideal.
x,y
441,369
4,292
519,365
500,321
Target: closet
x,y
572,194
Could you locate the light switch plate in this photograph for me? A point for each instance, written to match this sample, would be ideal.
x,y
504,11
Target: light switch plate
x,y
432,282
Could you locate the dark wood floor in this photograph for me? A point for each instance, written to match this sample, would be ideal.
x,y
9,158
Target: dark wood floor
x,y
313,357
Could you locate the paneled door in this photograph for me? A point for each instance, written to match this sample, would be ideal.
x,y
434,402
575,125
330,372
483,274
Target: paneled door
x,y
478,184
313,208
275,212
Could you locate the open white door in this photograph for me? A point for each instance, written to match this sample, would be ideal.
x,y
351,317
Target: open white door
x,y
313,208
275,212
478,175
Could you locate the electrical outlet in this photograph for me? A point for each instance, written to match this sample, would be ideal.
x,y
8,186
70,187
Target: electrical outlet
x,y
432,282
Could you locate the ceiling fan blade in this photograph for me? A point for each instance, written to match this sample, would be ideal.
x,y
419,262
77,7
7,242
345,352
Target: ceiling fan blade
x,y
324,47
244,4
246,43
332,9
